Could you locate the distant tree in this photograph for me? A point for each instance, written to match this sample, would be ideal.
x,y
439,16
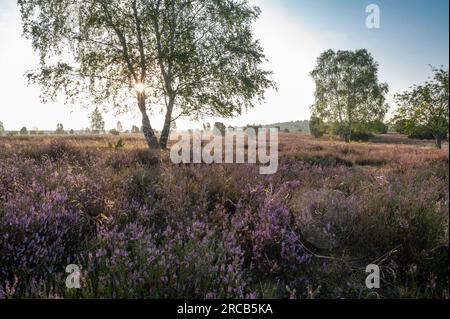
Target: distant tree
x,y
119,127
424,108
255,127
34,131
347,91
378,127
59,128
135,129
401,125
24,131
411,128
196,57
173,126
97,123
114,132
2,128
71,132
220,127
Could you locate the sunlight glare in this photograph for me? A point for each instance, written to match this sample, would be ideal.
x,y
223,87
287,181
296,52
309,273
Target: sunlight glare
x,y
139,87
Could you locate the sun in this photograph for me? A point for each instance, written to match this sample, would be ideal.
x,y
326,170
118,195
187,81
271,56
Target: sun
x,y
139,87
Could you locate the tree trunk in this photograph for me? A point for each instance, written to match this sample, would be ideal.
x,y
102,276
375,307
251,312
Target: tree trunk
x,y
439,141
348,135
349,128
167,123
149,134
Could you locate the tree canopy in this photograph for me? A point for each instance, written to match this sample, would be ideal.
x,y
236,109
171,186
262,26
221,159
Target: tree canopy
x,y
425,108
119,126
97,123
348,95
23,131
59,128
190,57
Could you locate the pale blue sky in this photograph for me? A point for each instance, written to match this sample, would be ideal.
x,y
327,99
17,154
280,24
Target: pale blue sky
x,y
413,34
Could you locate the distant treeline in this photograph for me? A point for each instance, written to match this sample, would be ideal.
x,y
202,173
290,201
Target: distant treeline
x,y
293,126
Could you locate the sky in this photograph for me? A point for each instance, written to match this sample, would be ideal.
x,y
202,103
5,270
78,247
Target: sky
x,y
413,34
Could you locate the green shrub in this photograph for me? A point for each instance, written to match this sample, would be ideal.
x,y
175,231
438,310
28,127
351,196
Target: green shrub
x,y
117,145
317,127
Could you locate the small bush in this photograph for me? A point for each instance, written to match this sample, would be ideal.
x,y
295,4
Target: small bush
x,y
114,132
117,145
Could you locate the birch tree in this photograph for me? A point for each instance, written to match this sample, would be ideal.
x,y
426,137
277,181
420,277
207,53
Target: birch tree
x,y
188,58
348,94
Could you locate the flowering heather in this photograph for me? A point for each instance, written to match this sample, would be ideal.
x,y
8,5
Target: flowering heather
x,y
141,227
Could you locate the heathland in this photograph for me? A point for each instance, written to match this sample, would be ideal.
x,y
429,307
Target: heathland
x,y
139,226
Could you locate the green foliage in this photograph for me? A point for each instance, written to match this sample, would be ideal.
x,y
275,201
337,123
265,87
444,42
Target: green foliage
x,y
292,126
402,125
256,127
411,129
220,127
97,123
206,127
359,132
114,132
59,128
117,145
196,57
421,132
378,127
24,131
347,91
423,111
361,136
135,129
316,127
2,128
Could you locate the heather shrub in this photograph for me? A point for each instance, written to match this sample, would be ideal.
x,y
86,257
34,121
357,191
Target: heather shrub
x,y
116,145
324,160
397,221
348,150
273,251
141,227
371,161
43,222
39,238
191,260
122,159
58,150
137,185
145,157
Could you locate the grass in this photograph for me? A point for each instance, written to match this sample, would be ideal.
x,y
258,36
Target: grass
x,y
141,227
